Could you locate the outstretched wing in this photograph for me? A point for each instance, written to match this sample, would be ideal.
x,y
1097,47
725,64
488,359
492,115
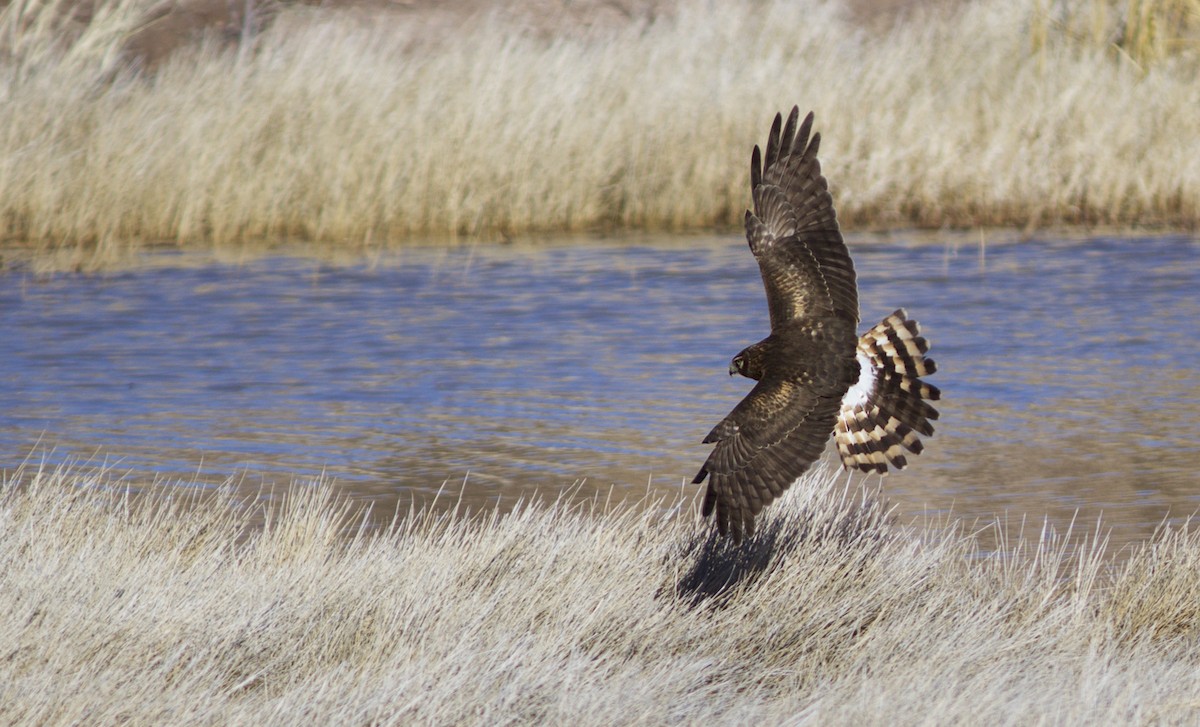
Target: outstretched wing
x,y
793,230
766,442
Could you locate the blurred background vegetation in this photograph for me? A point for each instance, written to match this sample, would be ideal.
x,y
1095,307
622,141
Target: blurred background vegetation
x,y
195,121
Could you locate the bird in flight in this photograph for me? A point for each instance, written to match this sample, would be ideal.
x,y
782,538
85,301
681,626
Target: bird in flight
x,y
815,374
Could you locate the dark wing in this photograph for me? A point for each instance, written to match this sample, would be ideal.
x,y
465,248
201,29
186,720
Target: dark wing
x,y
766,442
793,230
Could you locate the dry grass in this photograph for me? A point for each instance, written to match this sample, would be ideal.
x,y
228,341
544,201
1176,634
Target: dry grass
x,y
175,607
358,129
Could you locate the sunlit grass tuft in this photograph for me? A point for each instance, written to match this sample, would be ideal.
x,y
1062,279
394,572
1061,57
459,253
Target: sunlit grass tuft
x,y
189,606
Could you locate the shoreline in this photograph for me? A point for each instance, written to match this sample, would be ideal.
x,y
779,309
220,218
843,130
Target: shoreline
x,y
40,258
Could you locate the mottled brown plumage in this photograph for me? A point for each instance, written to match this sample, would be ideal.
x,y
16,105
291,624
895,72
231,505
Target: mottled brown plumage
x,y
812,370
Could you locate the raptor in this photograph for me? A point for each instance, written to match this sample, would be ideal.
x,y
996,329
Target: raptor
x,y
815,374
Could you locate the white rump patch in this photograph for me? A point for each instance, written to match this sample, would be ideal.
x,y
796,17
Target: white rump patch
x,y
858,394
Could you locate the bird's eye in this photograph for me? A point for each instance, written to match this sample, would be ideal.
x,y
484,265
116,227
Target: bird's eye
x,y
739,363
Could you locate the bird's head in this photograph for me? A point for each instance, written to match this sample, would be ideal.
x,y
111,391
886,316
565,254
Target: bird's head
x,y
737,365
748,363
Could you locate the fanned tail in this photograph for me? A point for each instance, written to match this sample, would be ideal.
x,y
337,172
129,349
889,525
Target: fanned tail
x,y
883,414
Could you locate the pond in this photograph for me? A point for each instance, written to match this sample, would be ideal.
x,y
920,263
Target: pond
x,y
1069,370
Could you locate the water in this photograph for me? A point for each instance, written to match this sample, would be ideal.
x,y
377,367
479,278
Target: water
x,y
1069,371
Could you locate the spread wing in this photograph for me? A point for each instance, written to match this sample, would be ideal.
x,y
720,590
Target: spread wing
x,y
766,442
793,230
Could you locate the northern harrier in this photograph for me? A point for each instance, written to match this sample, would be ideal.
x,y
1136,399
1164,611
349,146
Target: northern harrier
x,y
815,374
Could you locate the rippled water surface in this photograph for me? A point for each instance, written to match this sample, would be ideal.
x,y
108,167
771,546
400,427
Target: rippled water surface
x,y
1070,370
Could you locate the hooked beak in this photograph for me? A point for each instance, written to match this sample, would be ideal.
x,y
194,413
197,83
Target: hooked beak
x,y
732,369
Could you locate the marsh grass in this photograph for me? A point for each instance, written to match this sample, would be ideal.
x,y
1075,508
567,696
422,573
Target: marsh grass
x,y
1141,32
1156,29
331,126
197,606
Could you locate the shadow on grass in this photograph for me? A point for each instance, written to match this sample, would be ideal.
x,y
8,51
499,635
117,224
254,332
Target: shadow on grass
x,y
717,567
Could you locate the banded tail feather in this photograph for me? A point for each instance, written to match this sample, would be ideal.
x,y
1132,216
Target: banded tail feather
x,y
884,413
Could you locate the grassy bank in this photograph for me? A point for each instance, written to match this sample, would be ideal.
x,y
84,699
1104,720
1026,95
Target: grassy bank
x,y
180,609
353,127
